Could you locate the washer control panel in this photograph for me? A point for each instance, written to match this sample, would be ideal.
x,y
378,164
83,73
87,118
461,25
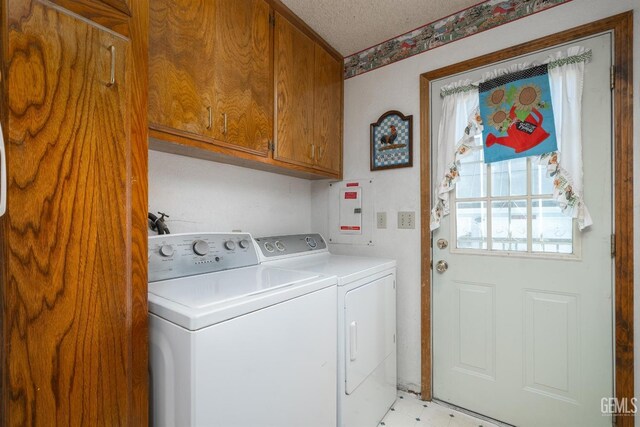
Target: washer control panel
x,y
179,255
276,246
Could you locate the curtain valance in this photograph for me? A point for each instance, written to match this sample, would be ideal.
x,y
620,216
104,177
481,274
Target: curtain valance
x,y
461,126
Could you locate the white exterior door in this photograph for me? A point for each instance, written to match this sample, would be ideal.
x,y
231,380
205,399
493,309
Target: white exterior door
x,y
522,317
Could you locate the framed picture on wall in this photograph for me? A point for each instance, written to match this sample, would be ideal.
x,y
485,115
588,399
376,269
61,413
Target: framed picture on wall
x,y
391,141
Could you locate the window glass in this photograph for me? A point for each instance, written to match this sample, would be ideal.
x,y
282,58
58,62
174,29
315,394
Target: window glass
x,y
552,231
509,178
471,225
508,207
540,183
473,176
509,225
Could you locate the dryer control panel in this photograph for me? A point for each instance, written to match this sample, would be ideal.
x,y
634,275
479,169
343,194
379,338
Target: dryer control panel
x,y
179,255
277,246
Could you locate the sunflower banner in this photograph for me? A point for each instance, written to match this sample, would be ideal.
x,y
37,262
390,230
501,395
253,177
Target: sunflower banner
x,y
517,115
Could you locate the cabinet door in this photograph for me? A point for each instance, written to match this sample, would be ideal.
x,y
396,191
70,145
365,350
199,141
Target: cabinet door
x,y
122,5
243,79
68,294
181,72
294,56
327,123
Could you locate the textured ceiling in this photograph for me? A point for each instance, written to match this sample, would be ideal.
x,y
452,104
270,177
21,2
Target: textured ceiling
x,y
354,25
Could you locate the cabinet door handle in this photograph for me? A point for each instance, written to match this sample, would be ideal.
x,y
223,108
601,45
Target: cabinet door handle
x,y
112,77
319,153
225,123
3,176
210,124
313,151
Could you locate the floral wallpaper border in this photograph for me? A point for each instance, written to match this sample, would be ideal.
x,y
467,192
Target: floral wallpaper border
x,y
481,17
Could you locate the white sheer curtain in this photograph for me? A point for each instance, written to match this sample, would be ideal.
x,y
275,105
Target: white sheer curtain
x,y
566,97
456,109
566,77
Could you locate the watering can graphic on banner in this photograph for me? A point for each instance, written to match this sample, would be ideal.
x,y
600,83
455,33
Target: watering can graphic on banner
x,y
517,115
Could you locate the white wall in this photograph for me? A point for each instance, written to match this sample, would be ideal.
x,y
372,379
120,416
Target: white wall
x,y
396,87
200,195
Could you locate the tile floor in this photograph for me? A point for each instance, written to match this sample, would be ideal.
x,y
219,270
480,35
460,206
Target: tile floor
x,y
409,411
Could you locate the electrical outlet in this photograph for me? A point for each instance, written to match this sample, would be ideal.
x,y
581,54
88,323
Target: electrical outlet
x,y
406,220
381,220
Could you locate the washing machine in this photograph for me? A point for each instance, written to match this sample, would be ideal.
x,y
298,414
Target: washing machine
x,y
366,308
235,343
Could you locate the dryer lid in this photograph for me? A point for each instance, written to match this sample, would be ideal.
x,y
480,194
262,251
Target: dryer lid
x,y
347,268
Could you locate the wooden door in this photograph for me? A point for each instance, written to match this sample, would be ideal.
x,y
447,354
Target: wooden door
x,y
327,123
71,254
181,71
294,68
243,78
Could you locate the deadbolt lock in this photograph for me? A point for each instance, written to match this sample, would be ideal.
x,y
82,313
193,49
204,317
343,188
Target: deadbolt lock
x,y
442,243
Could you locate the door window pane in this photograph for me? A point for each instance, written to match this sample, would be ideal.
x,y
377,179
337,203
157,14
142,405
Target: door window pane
x,y
509,225
552,231
493,212
471,225
540,182
473,176
509,178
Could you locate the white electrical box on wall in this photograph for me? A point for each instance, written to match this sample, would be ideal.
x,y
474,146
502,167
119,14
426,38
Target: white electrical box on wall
x,y
350,219
351,212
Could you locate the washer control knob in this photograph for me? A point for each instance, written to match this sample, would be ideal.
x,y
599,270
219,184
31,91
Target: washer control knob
x,y
229,245
311,242
200,247
269,247
166,250
244,243
280,246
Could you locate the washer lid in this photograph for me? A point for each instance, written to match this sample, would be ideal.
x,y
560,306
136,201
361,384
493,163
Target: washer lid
x,y
198,301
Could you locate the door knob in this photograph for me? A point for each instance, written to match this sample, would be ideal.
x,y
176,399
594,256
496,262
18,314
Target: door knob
x,y
442,243
441,266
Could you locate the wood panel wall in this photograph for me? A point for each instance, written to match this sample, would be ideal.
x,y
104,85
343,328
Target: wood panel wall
x,y
73,259
139,351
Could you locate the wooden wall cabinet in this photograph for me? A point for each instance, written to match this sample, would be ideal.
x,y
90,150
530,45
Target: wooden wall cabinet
x,y
243,99
73,282
295,81
328,111
308,101
181,58
210,72
244,82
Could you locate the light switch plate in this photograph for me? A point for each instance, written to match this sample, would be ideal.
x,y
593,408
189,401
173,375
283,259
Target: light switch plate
x,y
381,219
406,220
